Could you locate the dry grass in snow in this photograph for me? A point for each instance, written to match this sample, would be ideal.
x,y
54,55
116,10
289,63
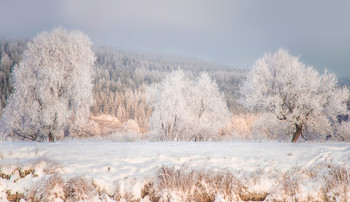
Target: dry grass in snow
x,y
196,185
322,182
168,171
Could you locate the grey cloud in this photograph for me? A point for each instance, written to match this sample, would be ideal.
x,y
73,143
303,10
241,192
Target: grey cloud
x,y
232,32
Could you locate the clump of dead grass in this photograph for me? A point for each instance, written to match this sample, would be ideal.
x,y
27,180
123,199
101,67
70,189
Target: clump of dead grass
x,y
55,188
79,189
296,185
131,189
337,183
51,189
148,190
291,181
319,182
193,185
14,196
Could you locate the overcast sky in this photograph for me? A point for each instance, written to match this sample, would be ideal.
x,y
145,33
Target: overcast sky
x,y
230,32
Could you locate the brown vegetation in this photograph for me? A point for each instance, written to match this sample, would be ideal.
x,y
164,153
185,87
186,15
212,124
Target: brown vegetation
x,y
320,182
194,185
14,197
55,187
79,188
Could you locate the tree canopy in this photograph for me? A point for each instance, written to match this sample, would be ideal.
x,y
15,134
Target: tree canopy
x,y
52,86
187,109
301,100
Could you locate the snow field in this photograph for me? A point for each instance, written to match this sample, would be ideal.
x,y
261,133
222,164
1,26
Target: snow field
x,y
175,171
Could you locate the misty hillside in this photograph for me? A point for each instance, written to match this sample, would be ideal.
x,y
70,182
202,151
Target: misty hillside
x,y
10,54
120,78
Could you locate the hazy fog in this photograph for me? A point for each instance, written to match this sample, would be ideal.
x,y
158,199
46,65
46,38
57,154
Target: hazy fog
x,y
229,32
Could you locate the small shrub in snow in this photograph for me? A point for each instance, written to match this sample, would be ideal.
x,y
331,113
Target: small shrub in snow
x,y
55,188
288,186
320,182
79,189
337,183
90,129
169,178
149,191
196,185
51,189
130,126
291,183
14,196
125,137
343,131
129,189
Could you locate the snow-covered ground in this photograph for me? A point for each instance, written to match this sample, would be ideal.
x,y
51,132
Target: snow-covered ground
x,y
110,164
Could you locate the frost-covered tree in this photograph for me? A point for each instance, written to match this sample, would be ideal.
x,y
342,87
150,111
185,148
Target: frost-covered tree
x,y
301,100
52,86
118,72
186,109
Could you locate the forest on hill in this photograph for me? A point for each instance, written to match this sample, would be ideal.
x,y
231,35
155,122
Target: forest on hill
x,y
120,78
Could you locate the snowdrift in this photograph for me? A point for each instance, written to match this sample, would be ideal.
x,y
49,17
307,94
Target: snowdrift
x,y
174,171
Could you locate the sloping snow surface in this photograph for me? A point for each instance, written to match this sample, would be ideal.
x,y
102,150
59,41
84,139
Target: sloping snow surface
x,y
110,163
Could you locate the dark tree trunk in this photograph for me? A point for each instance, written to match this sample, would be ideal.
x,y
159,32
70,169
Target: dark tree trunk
x,y
297,133
51,137
66,132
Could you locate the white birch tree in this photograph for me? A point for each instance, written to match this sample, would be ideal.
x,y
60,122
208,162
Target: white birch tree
x,y
297,95
186,109
52,86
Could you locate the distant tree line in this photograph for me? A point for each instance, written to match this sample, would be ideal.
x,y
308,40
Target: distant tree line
x,y
10,54
179,98
120,78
